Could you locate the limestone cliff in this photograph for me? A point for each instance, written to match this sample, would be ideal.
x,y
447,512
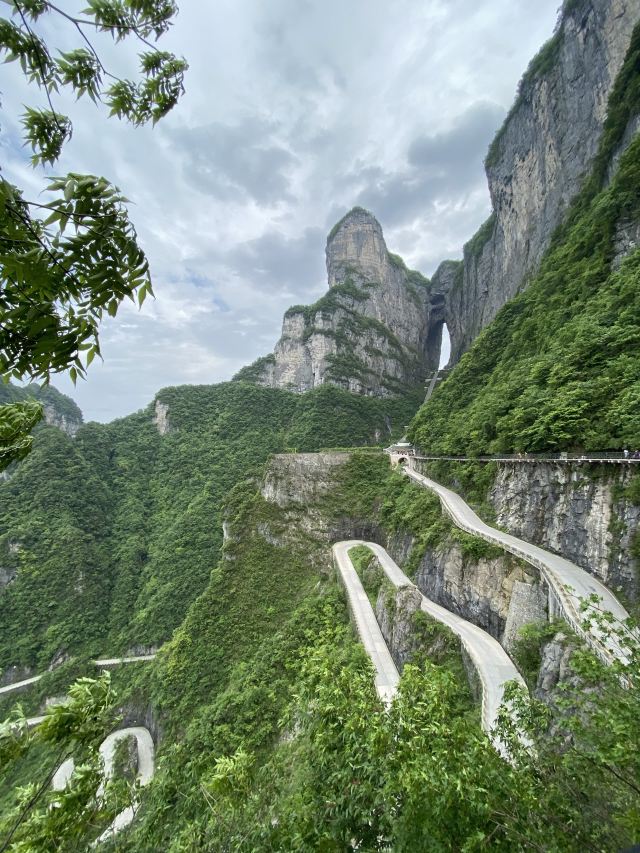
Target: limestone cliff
x,y
538,161
496,592
373,333
379,327
580,511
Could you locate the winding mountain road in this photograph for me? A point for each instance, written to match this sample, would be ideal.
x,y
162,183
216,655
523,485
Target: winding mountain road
x,y
146,769
386,679
491,662
569,584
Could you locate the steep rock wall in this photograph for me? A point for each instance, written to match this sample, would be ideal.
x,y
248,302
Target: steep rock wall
x,y
582,512
500,594
539,159
300,484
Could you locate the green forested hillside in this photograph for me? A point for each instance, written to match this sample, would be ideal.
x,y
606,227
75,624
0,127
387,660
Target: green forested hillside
x,y
559,367
274,738
115,532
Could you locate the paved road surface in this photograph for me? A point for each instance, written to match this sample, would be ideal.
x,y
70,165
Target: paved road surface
x,y
107,662
101,662
492,663
570,583
387,677
19,685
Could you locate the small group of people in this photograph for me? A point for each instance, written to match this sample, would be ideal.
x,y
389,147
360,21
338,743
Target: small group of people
x,y
628,455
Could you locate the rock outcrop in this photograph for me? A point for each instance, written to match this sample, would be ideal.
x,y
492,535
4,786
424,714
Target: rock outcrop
x,y
500,594
69,423
555,668
376,332
58,410
379,328
396,614
489,587
301,479
161,417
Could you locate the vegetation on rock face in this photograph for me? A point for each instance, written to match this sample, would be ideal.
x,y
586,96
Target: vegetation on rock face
x,y
274,738
336,227
476,244
254,372
559,367
47,395
292,751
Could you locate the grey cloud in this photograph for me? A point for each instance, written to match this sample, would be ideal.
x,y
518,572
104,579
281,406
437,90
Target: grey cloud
x,y
464,145
444,165
235,162
274,259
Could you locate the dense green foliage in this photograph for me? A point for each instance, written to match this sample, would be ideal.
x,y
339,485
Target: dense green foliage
x,y
21,409
412,509
368,570
474,246
274,739
131,521
529,646
46,395
559,367
16,422
255,371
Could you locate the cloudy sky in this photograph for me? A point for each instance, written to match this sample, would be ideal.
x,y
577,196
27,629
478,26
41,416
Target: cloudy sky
x,y
295,110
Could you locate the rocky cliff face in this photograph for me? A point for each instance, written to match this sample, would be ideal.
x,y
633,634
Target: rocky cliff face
x,y
539,160
65,421
582,512
376,332
379,328
161,417
498,593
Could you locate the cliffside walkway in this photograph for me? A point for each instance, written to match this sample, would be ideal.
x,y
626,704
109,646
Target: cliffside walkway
x,y
492,664
101,663
561,458
569,584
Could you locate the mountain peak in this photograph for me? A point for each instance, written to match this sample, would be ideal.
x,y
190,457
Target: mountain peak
x,y
356,242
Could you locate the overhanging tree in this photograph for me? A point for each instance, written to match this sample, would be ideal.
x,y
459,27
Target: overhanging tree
x,y
70,257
